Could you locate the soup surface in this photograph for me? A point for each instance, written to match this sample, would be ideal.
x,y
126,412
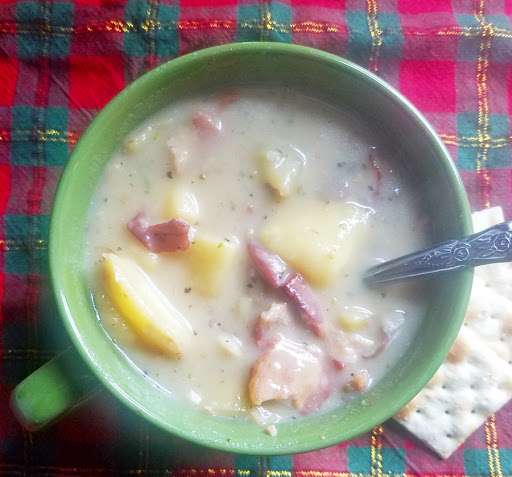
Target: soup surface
x,y
225,248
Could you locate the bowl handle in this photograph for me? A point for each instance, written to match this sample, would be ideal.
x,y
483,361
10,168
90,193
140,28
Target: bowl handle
x,y
53,390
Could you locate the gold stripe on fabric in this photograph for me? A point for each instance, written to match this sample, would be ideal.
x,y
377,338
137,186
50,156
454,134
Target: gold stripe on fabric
x,y
375,33
265,20
221,471
198,24
117,25
318,473
49,135
474,141
151,22
491,436
308,26
475,31
376,450
279,473
120,26
483,99
11,245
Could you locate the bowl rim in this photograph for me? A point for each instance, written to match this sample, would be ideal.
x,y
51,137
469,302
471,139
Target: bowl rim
x,y
200,56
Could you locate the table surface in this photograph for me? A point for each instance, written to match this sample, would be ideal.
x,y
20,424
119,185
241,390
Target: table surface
x,y
60,62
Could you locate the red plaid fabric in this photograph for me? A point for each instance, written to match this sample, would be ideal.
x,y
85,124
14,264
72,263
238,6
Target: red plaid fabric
x,y
60,62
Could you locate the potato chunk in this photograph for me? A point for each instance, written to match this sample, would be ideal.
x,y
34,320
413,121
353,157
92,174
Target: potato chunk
x,y
146,310
316,238
181,203
281,168
211,260
354,318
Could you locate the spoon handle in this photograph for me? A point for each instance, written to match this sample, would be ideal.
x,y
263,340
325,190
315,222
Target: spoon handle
x,y
493,245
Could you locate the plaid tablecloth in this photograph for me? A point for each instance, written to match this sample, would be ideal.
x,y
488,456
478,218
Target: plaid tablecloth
x,y
60,62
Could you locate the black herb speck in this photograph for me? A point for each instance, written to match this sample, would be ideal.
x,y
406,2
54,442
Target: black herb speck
x,y
370,188
249,285
169,174
187,290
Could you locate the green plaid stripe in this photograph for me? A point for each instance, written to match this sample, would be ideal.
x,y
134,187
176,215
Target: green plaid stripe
x,y
497,152
26,242
36,21
28,136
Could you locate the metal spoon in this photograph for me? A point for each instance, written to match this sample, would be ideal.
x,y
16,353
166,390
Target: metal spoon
x,y
493,245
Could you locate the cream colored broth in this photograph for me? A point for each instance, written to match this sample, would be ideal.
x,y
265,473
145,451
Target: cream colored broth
x,y
224,174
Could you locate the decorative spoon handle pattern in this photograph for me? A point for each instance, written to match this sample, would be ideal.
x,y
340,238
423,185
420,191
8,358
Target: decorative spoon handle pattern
x,y
493,245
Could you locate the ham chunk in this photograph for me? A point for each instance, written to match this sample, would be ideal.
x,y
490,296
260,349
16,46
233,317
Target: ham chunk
x,y
277,273
302,295
290,371
166,237
270,265
206,123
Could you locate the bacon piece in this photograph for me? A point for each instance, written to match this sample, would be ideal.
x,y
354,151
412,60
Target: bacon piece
x,y
269,264
166,237
290,371
302,295
206,123
268,322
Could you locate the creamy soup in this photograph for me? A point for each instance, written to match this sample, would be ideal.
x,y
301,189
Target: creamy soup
x,y
226,245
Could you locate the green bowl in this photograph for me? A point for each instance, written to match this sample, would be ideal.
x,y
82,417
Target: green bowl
x,y
329,78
